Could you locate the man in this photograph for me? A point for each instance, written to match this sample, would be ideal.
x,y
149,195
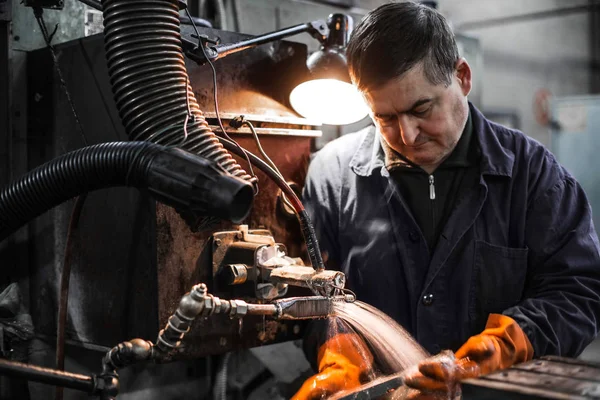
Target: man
x,y
467,233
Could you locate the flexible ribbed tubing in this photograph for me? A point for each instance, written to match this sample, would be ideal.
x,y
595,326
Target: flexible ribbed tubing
x,y
150,82
81,171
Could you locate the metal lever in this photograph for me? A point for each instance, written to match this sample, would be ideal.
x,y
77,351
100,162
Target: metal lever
x,y
372,390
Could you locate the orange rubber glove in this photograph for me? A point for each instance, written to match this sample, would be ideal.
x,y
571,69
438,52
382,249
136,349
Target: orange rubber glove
x,y
344,362
501,345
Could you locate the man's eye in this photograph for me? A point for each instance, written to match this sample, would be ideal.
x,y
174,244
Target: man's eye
x,y
419,112
385,118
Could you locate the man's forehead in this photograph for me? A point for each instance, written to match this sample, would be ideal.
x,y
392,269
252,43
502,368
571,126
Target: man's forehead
x,y
401,93
397,95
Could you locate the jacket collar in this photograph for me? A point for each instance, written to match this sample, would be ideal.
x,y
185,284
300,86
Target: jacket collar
x,y
495,158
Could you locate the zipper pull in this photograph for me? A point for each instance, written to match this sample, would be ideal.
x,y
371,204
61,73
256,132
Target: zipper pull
x,y
431,188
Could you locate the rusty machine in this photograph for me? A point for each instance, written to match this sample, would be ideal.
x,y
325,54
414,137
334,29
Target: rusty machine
x,y
195,245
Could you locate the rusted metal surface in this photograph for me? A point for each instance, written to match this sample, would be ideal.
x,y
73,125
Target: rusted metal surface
x,y
546,378
254,83
309,278
137,263
184,257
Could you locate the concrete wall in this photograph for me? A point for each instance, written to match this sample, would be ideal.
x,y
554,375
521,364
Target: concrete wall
x,y
522,57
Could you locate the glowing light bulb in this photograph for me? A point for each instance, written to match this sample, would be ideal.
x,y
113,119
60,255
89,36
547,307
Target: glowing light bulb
x,y
329,101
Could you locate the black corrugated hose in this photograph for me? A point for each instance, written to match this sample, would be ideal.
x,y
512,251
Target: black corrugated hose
x,y
174,176
150,82
152,89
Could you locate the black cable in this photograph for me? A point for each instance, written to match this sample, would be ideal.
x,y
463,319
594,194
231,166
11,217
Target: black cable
x,y
214,75
264,167
308,231
65,275
39,16
197,20
240,121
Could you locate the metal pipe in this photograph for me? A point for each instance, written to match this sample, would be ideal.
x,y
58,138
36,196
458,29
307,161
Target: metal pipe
x,y
262,309
190,306
195,20
46,375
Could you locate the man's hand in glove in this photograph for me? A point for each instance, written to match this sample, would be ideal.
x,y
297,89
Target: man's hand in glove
x,y
344,363
501,345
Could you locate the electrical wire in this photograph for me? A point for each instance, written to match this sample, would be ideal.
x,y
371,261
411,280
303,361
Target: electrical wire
x,y
65,277
267,169
76,213
38,12
214,75
189,111
308,231
267,159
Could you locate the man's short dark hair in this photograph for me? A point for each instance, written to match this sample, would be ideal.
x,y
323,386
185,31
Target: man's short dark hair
x,y
393,38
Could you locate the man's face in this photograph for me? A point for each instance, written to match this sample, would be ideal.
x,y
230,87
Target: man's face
x,y
421,121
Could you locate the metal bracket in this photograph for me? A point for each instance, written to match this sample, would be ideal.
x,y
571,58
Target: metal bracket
x,y
246,249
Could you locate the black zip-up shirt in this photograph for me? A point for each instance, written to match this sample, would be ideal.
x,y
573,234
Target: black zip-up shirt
x,y
431,198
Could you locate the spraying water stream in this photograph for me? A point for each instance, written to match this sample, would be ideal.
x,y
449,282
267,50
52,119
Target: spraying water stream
x,y
392,347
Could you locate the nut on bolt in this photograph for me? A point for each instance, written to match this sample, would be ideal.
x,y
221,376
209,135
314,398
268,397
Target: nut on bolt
x,y
239,308
217,305
179,323
208,305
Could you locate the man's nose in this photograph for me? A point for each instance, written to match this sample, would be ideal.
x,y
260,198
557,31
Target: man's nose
x,y
409,131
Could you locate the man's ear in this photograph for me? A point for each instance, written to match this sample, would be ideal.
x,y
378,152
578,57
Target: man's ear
x,y
463,75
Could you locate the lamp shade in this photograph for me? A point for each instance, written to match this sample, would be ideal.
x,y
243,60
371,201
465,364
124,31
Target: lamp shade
x,y
329,97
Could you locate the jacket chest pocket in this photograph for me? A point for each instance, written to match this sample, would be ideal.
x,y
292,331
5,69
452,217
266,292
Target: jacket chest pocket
x,y
499,276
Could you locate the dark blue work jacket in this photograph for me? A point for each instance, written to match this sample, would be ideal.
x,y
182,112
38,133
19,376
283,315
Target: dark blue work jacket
x,y
521,243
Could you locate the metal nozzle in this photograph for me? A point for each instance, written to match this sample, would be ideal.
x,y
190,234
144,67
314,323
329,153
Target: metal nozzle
x,y
304,307
294,308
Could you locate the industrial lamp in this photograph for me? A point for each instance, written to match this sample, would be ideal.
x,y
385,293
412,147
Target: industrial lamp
x,y
328,96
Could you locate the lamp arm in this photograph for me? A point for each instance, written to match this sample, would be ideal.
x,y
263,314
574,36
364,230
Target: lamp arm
x,y
317,29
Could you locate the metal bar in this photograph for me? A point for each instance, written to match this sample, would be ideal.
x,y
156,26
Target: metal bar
x,y
274,119
262,309
230,48
271,131
372,390
559,12
46,375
